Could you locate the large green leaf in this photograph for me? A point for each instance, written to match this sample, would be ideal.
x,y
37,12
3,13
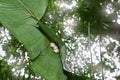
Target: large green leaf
x,y
20,17
16,18
49,64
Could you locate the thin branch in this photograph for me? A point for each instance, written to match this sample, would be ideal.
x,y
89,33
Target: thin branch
x,y
89,41
100,40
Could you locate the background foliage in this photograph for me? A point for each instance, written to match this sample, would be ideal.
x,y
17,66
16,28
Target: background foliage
x,y
93,25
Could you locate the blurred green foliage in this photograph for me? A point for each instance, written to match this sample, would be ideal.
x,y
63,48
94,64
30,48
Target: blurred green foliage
x,y
89,12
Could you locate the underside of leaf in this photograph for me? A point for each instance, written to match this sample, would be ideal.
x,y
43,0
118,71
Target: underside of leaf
x,y
18,17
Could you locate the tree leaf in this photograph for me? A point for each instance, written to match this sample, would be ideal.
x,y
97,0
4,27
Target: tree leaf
x,y
20,17
49,64
21,24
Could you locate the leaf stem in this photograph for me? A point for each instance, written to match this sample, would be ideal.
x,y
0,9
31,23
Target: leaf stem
x,y
28,10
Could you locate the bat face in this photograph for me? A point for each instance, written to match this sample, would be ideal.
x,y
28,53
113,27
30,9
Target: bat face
x,y
55,47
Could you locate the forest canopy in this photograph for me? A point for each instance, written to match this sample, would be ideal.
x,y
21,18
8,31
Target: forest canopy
x,y
59,39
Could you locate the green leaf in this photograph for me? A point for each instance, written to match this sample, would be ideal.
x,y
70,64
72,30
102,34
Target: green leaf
x,y
20,17
54,38
49,64
20,23
63,53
